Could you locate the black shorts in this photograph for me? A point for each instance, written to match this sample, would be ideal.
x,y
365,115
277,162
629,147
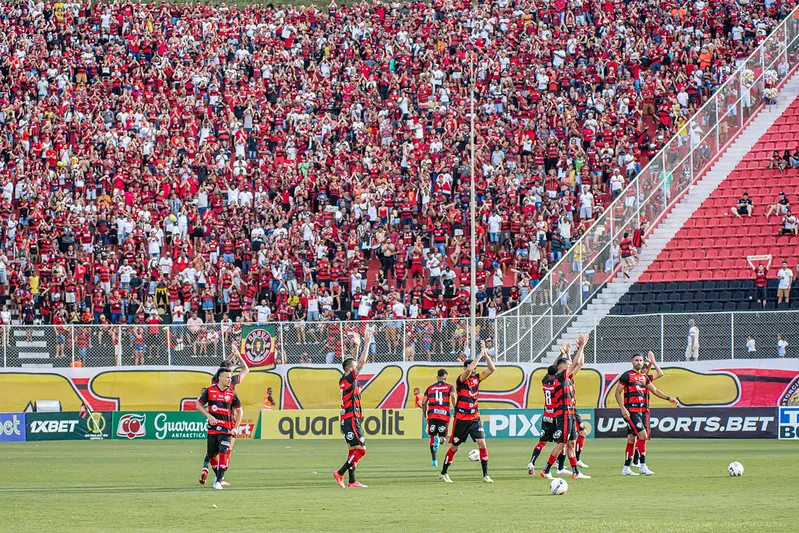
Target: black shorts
x,y
761,293
547,430
638,422
463,429
437,427
565,428
352,431
218,444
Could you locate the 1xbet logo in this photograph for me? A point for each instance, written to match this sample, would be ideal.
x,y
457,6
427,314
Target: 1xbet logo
x,y
131,426
789,423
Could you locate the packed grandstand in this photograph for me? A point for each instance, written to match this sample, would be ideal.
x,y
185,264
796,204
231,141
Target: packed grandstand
x,y
303,163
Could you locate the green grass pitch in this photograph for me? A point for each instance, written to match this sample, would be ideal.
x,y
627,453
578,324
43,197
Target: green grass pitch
x,y
287,486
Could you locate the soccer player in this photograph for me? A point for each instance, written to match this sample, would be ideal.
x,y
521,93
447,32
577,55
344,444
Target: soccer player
x,y
548,421
436,403
636,385
467,414
227,366
582,433
351,413
652,363
565,420
222,424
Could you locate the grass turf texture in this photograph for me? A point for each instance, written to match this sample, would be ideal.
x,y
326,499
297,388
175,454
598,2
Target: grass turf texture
x,y
287,486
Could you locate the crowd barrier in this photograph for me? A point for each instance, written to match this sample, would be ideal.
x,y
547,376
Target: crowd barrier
x,y
408,424
739,383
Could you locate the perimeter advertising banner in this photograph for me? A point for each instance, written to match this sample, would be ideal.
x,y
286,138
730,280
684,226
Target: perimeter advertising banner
x,y
171,425
12,427
706,384
311,424
523,423
160,425
68,426
723,423
789,423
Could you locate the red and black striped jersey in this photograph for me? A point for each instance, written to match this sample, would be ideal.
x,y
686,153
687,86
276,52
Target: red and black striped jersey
x,y
220,404
350,396
636,395
466,408
438,395
563,397
550,406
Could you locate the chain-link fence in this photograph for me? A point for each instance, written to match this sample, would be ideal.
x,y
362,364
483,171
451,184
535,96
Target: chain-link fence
x,y
731,335
440,340
613,339
591,262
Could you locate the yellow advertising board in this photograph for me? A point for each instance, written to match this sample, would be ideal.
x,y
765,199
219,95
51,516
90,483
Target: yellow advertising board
x,y
324,424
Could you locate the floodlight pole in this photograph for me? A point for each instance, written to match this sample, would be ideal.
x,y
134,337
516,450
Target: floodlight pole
x,y
473,222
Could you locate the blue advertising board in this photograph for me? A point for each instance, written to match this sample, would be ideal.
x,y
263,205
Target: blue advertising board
x,y
12,427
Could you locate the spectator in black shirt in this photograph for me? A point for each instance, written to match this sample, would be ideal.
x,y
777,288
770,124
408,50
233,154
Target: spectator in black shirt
x,y
744,207
781,207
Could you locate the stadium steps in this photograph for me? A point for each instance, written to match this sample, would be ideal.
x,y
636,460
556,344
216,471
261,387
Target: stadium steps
x,y
585,321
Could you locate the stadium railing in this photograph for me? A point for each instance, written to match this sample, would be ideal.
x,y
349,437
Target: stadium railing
x,y
613,339
587,266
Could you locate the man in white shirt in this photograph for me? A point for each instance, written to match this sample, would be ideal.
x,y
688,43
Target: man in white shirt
x,y
494,224
262,312
692,350
125,272
616,183
785,275
166,265
586,204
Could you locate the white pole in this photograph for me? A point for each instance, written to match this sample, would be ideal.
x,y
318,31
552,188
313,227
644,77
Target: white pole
x,y
404,347
661,337
473,222
718,144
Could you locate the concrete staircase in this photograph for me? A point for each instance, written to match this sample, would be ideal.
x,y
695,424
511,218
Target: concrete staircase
x,y
586,320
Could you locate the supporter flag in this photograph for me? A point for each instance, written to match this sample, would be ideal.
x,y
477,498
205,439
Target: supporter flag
x,y
258,345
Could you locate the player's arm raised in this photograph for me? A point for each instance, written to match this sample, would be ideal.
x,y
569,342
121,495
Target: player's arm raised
x,y
244,368
367,340
657,392
579,357
491,367
469,369
654,363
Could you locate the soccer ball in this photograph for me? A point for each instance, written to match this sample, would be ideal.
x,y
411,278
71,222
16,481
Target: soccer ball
x,y
735,469
558,486
474,455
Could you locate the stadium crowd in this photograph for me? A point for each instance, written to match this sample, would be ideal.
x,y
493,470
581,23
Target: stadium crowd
x,y
167,161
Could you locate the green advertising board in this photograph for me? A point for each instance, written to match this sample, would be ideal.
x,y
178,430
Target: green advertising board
x,y
523,423
159,425
68,426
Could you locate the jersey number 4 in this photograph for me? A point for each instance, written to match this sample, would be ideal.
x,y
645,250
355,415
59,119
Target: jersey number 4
x,y
439,396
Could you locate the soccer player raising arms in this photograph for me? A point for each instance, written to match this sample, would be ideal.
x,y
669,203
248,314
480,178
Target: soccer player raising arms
x,y
227,412
636,385
351,413
548,422
565,420
227,366
436,403
467,414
